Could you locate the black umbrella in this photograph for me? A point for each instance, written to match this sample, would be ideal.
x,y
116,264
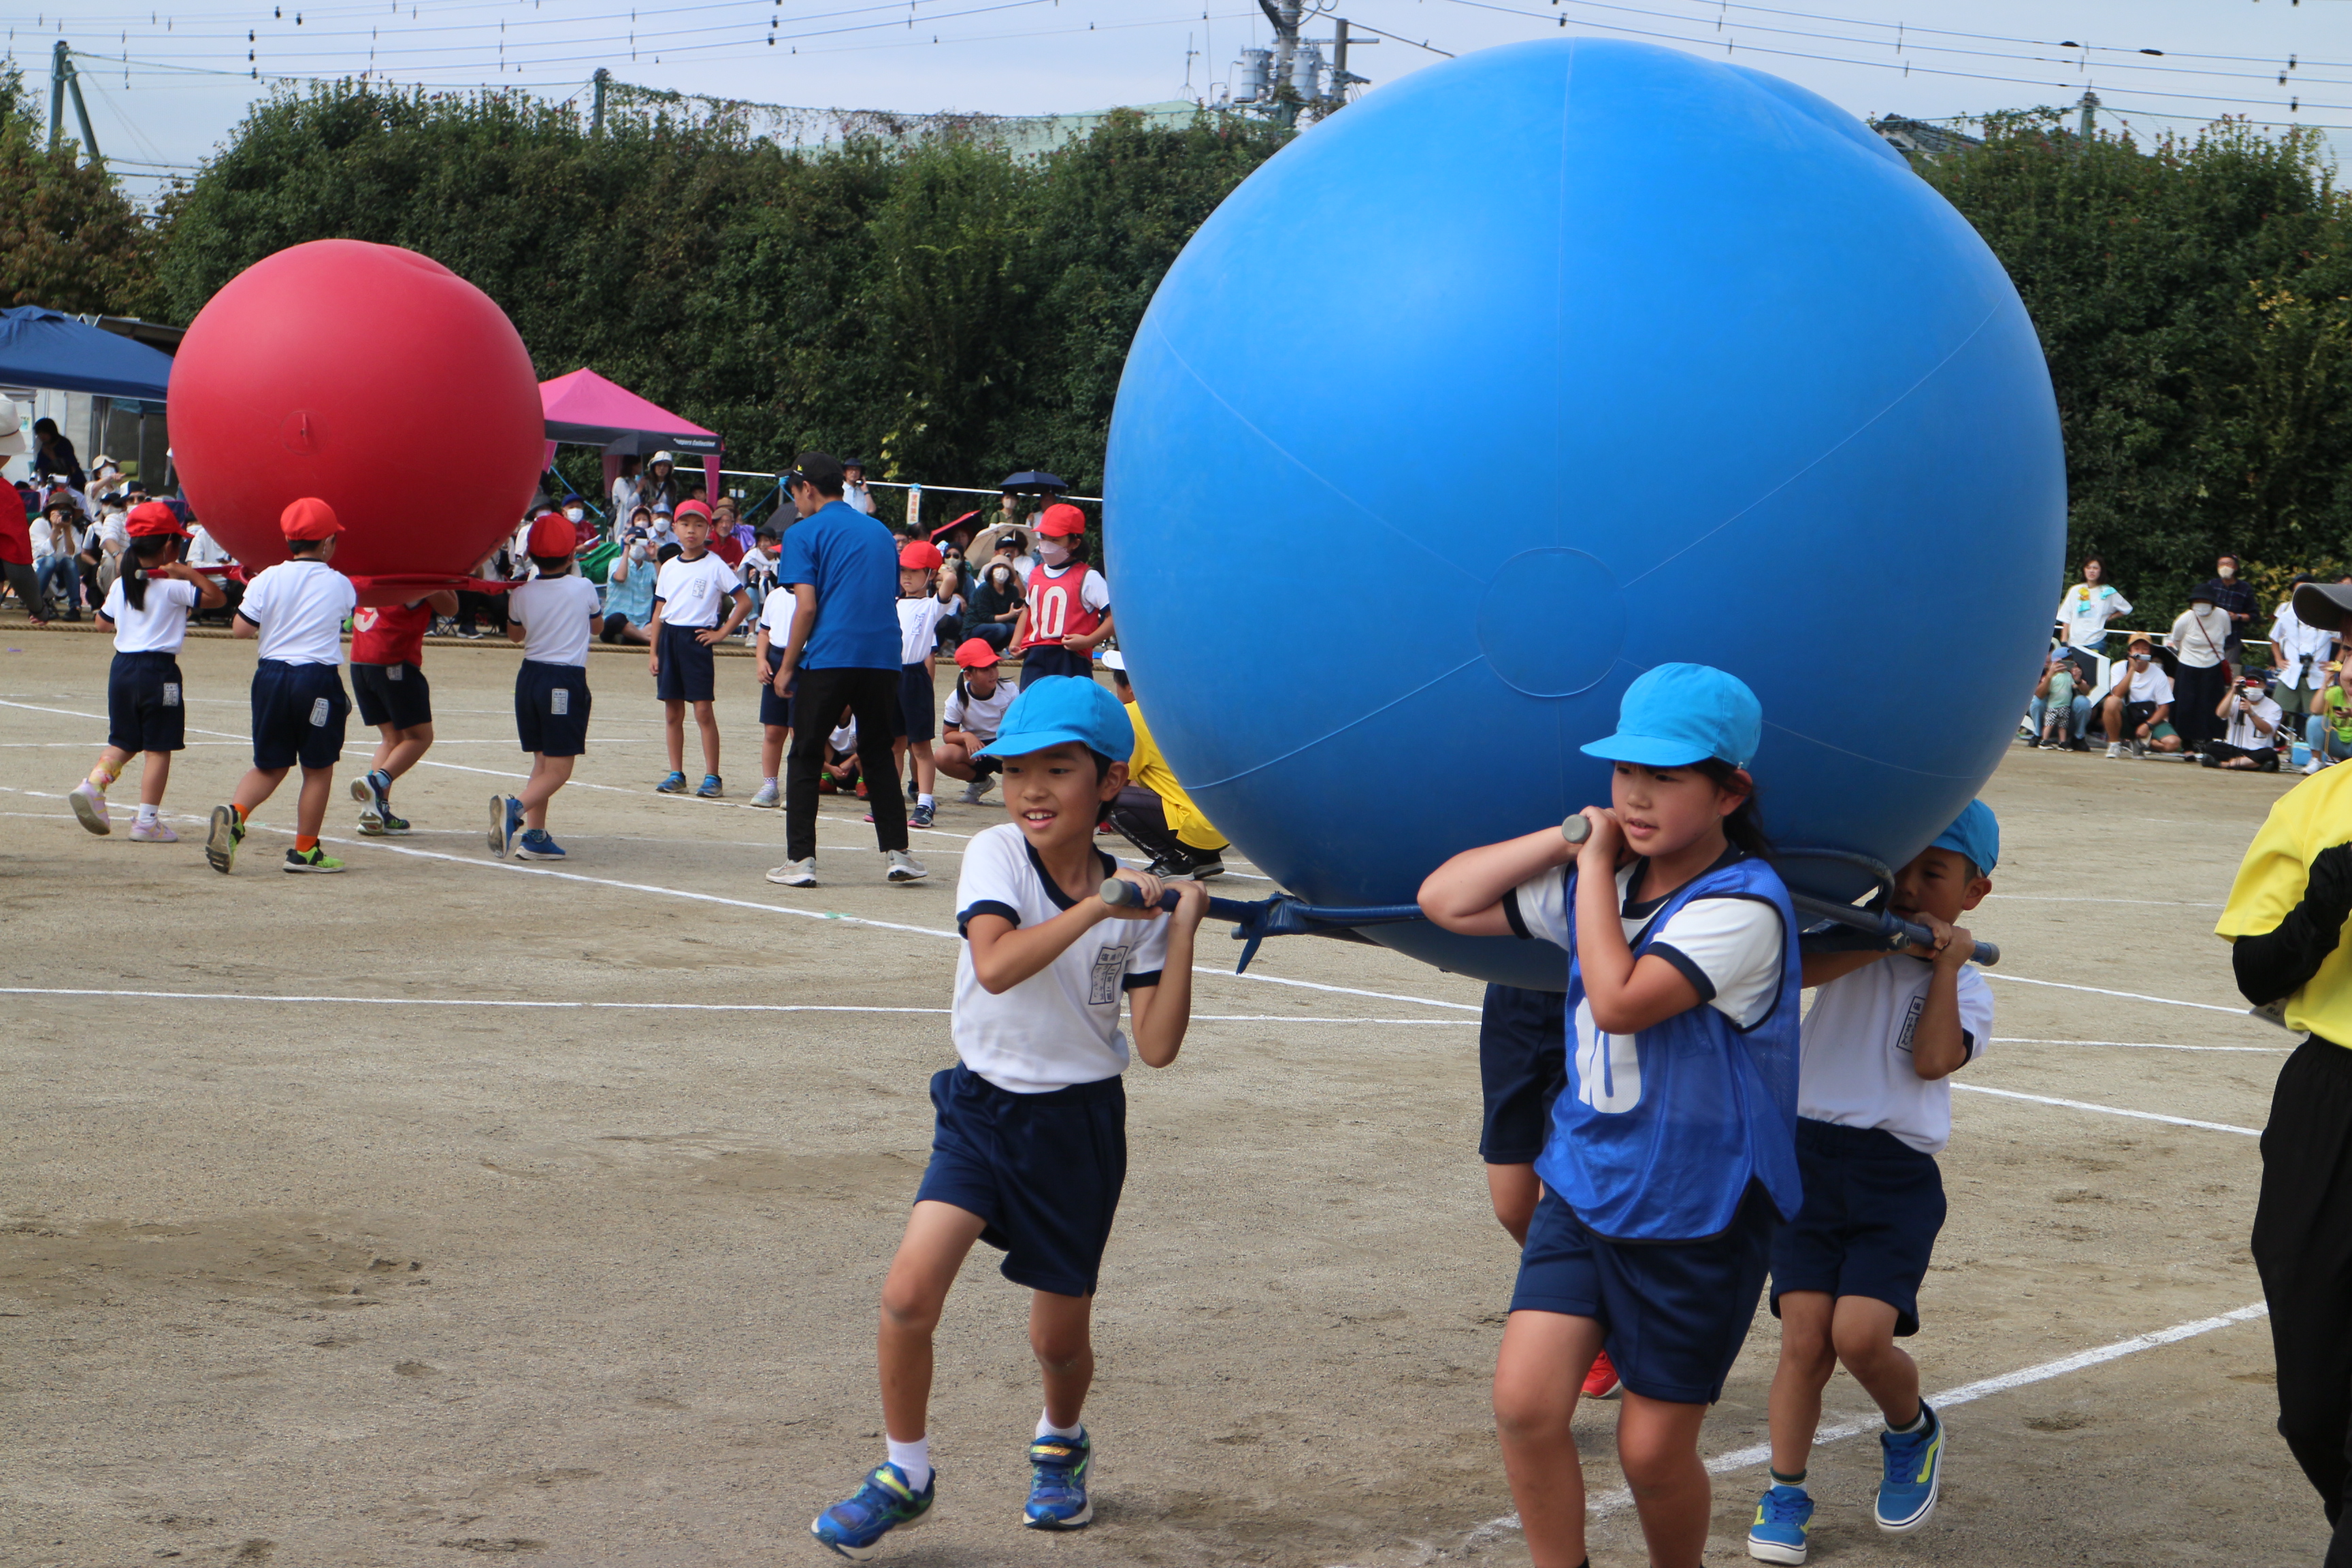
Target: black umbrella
x,y
1035,481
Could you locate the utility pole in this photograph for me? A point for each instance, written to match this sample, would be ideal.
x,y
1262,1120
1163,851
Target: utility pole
x,y
596,116
2090,108
62,80
1284,15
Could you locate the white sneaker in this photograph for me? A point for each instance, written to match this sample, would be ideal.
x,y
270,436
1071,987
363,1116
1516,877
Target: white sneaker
x,y
2115,749
766,798
795,873
905,868
974,790
89,803
2312,766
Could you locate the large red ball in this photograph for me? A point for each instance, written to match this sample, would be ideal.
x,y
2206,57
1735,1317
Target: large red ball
x,y
373,378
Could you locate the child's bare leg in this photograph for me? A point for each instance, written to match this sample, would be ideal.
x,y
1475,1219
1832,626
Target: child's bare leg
x,y
1538,1376
1863,1330
400,749
548,774
773,739
388,741
1515,1190
1060,1333
1807,1359
153,776
926,774
1657,1444
310,811
953,759
674,731
258,785
938,1236
708,723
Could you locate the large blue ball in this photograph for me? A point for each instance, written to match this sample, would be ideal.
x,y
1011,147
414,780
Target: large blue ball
x,y
1541,368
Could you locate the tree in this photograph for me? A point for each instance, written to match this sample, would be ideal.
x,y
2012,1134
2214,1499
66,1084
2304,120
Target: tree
x,y
68,238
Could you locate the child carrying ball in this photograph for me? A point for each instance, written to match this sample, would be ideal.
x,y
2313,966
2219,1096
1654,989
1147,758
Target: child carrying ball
x,y
1030,1147
296,609
1873,1108
553,615
1671,1158
388,683
148,608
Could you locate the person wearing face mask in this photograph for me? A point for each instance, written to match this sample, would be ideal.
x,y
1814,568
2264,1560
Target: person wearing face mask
x,y
2201,677
996,604
2234,599
1068,612
629,584
575,512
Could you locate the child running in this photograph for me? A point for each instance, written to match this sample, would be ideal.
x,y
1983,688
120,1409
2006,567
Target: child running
x,y
687,594
974,712
553,615
1672,1154
1874,1107
296,608
1030,1146
148,609
388,684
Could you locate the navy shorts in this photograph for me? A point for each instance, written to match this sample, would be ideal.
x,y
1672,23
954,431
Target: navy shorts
x,y
686,666
1522,1065
1047,658
1043,1170
144,709
774,709
1673,1314
551,708
917,719
1873,1207
394,694
298,710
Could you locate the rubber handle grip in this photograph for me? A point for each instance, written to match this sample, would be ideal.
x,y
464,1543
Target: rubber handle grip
x,y
1121,894
1577,828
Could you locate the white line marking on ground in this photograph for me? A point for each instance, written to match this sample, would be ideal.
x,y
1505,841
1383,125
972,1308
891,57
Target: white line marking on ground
x,y
2143,1046
2102,991
2111,1110
1605,1503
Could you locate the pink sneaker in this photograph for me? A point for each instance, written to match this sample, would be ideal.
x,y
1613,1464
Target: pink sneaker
x,y
89,803
156,832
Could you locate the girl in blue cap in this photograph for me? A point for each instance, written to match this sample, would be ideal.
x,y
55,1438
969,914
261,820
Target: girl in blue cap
x,y
1672,1155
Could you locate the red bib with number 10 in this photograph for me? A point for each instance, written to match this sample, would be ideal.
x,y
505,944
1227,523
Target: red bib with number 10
x,y
1057,606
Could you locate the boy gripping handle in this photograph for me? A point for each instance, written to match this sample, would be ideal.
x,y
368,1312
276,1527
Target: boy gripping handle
x,y
1673,1154
147,609
296,609
1030,1150
553,615
1873,1108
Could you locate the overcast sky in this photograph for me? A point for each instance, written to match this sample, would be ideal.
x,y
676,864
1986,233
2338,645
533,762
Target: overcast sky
x,y
167,84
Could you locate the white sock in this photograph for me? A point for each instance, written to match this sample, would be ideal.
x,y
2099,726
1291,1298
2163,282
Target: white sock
x,y
926,800
146,814
1046,1428
913,1458
770,780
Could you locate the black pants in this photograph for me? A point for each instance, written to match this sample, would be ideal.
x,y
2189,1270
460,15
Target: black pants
x,y
2196,693
28,589
818,697
1142,821
2263,757
2303,1249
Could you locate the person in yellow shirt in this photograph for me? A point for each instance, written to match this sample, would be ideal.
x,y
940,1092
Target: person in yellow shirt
x,y
1153,813
2285,924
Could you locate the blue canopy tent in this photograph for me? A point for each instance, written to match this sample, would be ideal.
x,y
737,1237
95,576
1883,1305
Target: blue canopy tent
x,y
47,349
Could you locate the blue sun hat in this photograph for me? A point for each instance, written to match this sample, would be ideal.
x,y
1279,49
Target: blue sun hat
x,y
1975,833
1678,714
1059,709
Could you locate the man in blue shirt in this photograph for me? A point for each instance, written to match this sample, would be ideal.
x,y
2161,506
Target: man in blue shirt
x,y
842,569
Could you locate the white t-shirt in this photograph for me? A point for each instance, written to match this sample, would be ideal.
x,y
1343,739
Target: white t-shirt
x,y
1856,1068
203,549
1059,1026
2243,733
689,592
1729,949
845,739
300,607
162,627
918,628
858,496
2299,651
980,716
2150,685
776,615
558,615
2085,611
2199,640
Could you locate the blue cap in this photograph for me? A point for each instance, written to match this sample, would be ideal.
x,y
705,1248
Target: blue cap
x,y
1678,714
1975,833
1059,709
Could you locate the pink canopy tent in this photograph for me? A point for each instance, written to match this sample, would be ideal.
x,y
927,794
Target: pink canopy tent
x,y
583,409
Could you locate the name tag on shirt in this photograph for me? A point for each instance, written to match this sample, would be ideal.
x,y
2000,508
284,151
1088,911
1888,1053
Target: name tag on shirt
x,y
1109,964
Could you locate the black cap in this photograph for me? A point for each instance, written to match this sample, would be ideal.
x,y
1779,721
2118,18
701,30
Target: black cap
x,y
821,469
852,463
2323,606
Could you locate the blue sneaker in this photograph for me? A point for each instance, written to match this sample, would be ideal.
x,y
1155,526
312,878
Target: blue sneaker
x,y
1779,1534
855,1526
711,789
1914,1463
506,824
673,784
1057,1484
535,844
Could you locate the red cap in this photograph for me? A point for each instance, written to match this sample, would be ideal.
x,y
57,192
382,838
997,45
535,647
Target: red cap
x,y
976,653
1061,521
692,508
553,534
920,555
149,519
308,518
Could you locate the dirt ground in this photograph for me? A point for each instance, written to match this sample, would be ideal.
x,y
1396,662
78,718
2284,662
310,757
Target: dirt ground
x,y
446,1206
